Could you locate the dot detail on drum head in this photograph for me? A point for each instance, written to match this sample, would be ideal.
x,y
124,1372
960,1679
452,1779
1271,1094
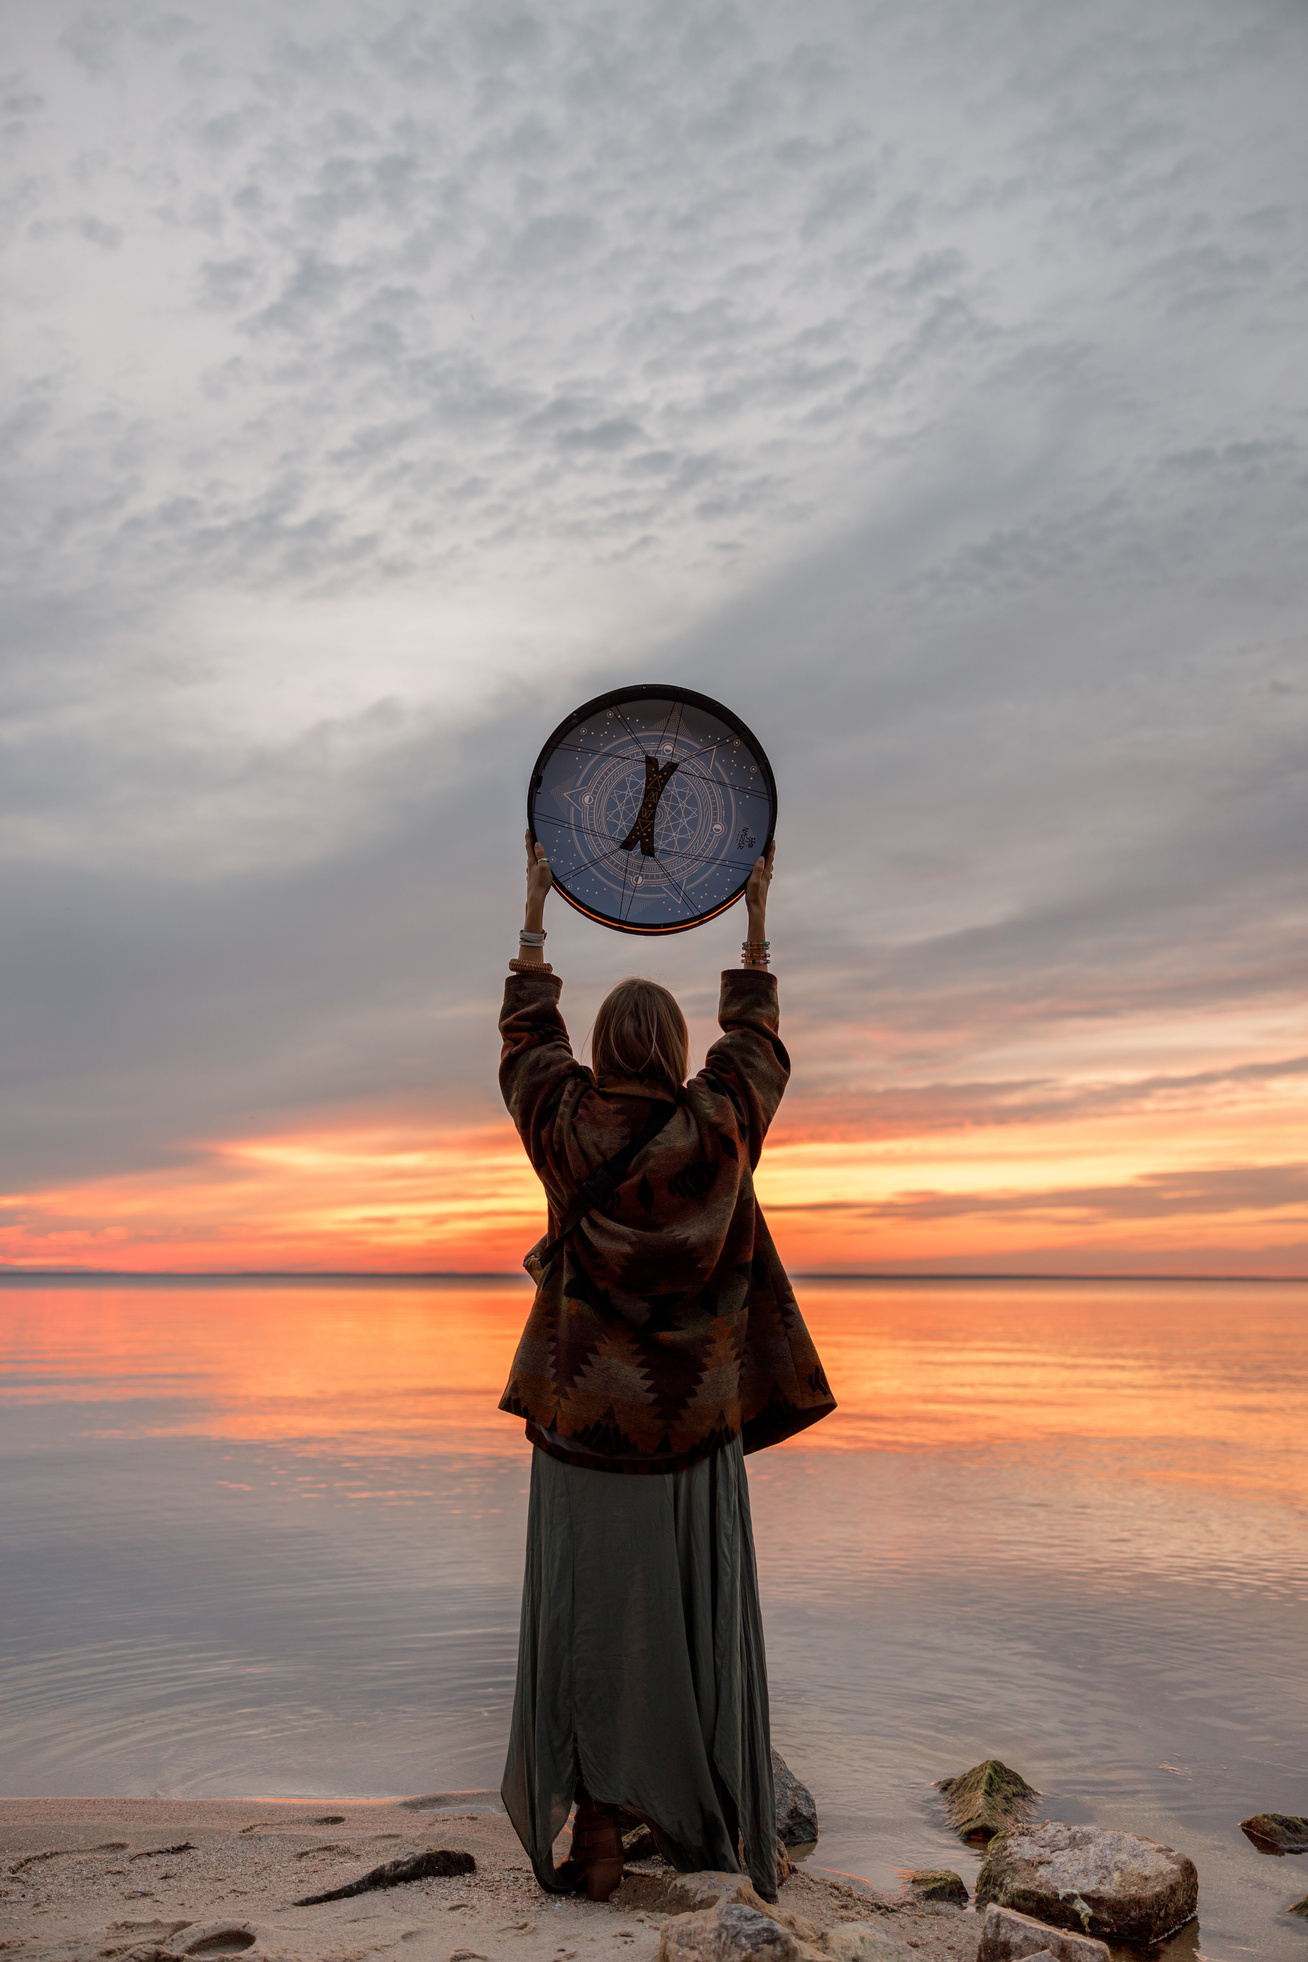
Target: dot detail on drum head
x,y
643,799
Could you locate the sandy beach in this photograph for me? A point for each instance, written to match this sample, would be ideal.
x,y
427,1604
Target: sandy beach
x,y
146,1878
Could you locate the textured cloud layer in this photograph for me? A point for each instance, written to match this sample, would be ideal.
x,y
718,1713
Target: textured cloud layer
x,y
926,381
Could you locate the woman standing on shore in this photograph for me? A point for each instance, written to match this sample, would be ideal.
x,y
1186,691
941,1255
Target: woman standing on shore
x,y
663,1344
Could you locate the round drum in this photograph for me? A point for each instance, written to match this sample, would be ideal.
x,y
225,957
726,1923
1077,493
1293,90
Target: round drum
x,y
652,804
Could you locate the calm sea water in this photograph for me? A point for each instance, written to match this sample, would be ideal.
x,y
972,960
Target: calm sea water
x,y
266,1541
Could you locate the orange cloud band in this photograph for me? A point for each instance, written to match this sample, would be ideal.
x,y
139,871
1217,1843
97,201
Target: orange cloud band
x,y
1220,1187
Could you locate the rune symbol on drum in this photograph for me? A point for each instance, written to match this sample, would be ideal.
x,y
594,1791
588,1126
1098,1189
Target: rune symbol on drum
x,y
643,828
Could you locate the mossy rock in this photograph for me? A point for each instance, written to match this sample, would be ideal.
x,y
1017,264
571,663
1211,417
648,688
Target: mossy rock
x,y
1277,1832
986,1800
1300,1907
938,1884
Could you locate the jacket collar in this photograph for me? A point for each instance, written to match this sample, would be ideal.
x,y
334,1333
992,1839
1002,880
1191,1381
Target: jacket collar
x,y
622,1087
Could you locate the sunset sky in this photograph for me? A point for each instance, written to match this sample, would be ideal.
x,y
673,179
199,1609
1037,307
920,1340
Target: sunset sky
x,y
924,380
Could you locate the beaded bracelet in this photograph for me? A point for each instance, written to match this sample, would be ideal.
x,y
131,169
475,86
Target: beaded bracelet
x,y
530,967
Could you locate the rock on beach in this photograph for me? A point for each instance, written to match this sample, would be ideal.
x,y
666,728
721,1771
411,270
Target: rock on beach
x,y
865,1941
937,1884
732,1932
1277,1832
685,1893
797,1823
1011,1937
1095,1881
986,1800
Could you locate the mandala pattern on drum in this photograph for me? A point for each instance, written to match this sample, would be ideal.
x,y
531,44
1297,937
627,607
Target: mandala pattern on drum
x,y
652,804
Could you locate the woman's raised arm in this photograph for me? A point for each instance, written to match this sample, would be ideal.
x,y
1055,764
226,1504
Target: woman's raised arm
x,y
531,941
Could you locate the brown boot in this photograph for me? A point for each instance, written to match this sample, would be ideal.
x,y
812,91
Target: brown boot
x,y
597,1848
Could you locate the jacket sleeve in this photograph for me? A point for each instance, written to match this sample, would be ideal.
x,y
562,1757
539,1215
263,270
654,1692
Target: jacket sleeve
x,y
536,1060
749,1061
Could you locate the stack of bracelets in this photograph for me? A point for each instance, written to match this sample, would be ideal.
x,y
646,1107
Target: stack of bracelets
x,y
754,953
526,939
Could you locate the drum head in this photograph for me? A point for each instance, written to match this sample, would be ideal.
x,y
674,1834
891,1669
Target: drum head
x,y
652,804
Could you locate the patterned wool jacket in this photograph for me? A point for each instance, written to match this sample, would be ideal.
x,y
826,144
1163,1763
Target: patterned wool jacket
x,y
665,1326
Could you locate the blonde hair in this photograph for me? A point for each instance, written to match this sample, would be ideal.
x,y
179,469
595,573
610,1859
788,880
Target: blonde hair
x,y
640,1033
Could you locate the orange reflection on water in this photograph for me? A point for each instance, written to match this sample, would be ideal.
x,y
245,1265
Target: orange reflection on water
x,y
406,1367
1188,1382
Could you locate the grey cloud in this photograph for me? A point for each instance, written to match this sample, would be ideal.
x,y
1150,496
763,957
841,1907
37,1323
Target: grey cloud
x,y
1247,460
313,286
614,433
165,30
502,37
17,103
225,132
226,283
1204,276
93,39
98,233
889,1110
554,240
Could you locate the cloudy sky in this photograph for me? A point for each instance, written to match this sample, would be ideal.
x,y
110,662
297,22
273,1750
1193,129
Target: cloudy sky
x,y
924,380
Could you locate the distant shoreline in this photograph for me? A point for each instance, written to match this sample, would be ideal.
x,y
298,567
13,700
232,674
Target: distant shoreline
x,y
453,1277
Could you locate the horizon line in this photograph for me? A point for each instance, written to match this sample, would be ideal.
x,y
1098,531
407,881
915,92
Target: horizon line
x,y
10,1272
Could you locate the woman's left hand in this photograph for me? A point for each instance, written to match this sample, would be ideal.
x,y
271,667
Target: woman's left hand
x,y
539,881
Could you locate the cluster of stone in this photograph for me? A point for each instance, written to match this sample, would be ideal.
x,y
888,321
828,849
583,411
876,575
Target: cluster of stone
x,y
1098,1884
718,1917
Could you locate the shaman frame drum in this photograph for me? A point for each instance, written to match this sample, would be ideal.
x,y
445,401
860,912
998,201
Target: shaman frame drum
x,y
652,803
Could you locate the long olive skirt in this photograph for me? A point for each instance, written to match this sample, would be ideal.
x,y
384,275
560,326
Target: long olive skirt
x,y
641,1672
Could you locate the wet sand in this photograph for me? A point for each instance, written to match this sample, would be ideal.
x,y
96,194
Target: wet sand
x,y
104,1878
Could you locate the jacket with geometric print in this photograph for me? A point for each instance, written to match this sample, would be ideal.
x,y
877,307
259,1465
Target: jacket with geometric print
x,y
665,1326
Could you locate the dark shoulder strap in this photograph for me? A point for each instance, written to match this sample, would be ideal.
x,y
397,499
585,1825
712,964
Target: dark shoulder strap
x,y
599,1188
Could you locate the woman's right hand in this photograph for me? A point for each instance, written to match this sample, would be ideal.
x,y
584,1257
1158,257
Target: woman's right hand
x,y
756,894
